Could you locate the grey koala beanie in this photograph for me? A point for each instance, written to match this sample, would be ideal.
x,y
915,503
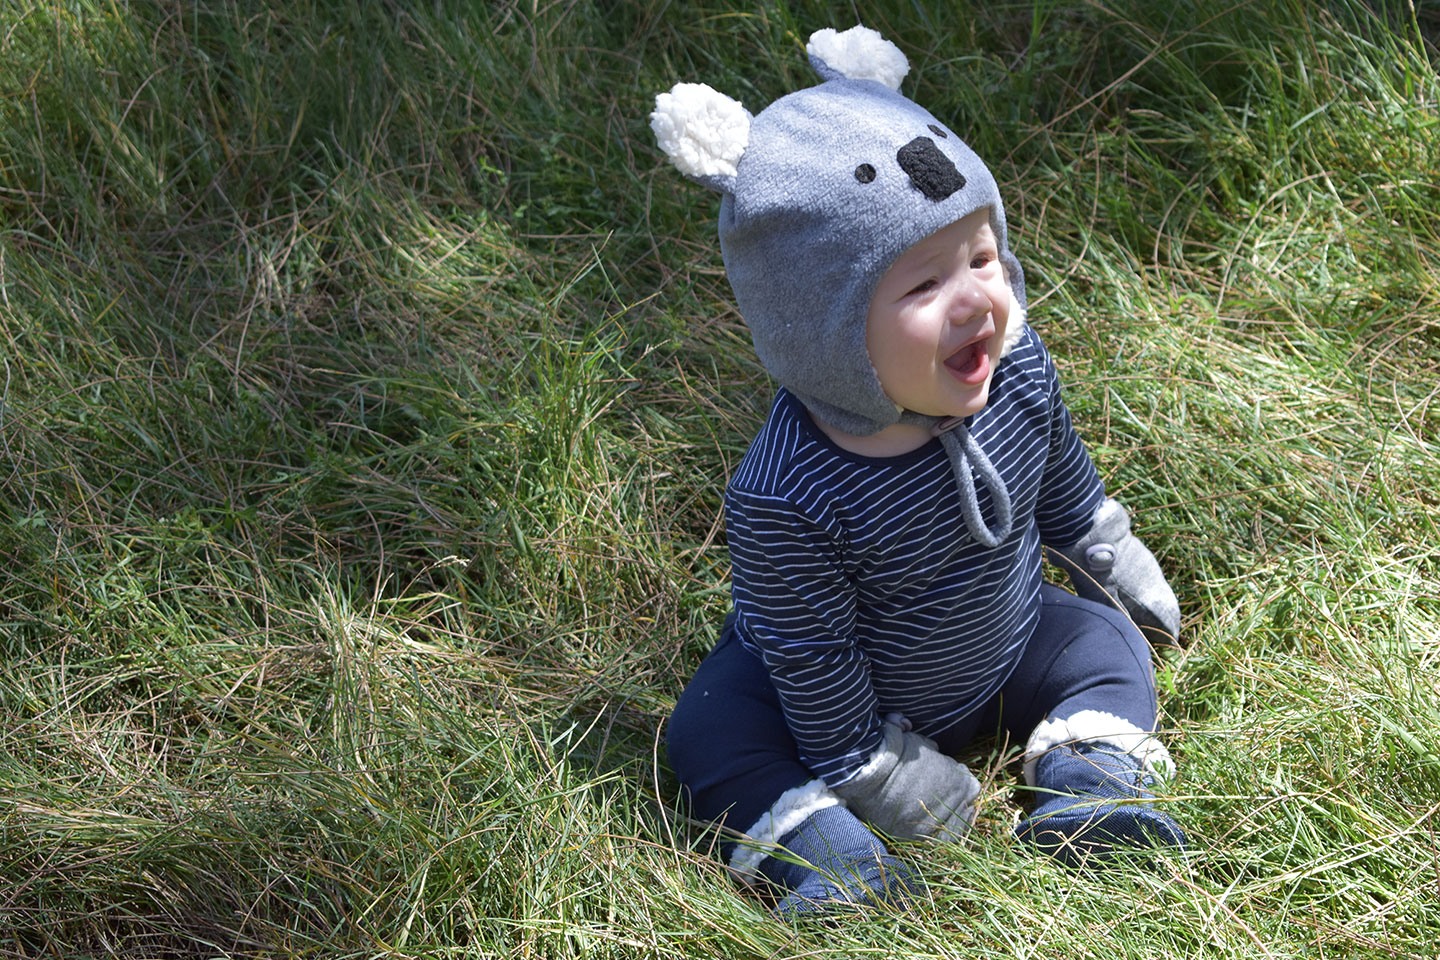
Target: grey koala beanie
x,y
821,192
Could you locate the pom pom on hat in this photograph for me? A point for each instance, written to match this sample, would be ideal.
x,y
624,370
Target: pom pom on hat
x,y
702,131
857,54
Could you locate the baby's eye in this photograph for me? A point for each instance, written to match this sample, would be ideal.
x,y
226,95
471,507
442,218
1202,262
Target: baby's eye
x,y
922,287
981,261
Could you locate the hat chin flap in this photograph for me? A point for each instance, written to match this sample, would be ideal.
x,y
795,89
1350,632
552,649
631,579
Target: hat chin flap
x,y
703,132
857,54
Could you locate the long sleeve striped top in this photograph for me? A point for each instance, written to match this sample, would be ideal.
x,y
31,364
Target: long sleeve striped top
x,y
855,580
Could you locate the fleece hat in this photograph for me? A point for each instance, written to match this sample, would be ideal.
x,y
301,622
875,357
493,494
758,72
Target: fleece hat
x,y
821,192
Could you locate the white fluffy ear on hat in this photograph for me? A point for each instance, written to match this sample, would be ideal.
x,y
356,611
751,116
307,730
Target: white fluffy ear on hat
x,y
857,54
702,131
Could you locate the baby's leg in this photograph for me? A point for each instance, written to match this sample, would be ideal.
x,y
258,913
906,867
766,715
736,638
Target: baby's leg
x,y
738,765
1091,757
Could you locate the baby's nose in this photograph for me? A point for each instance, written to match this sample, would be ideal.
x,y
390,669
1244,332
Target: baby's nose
x,y
969,303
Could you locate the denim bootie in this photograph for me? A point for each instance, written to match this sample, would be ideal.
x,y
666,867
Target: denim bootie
x,y
1091,799
833,857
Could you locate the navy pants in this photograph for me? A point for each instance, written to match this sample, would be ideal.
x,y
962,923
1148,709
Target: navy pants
x,y
733,753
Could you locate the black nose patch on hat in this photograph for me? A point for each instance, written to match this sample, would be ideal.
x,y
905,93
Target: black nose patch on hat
x,y
931,172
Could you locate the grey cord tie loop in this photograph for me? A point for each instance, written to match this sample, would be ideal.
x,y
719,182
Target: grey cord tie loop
x,y
965,455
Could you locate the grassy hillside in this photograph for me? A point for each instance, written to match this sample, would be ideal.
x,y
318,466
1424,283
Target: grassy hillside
x,y
370,382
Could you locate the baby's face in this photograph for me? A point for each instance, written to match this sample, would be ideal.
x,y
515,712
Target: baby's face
x,y
937,320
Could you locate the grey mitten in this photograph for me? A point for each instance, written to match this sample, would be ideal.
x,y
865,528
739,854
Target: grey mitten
x,y
910,790
1109,564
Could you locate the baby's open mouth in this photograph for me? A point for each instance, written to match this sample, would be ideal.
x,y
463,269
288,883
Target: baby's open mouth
x,y
971,363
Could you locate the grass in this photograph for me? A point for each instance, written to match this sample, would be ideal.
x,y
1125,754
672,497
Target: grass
x,y
370,384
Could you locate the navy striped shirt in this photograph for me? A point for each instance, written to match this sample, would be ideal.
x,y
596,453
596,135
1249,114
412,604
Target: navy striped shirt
x,y
856,581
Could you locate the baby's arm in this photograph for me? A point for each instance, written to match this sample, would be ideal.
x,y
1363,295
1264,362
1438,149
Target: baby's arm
x,y
798,606
1110,564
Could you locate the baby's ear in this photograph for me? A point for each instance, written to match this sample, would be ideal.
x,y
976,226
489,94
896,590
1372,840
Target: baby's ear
x,y
703,132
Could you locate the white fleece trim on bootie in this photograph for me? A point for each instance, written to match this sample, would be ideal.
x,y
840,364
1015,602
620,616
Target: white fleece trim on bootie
x,y
1096,726
787,813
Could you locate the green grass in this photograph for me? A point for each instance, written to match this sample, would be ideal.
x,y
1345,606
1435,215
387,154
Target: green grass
x,y
370,382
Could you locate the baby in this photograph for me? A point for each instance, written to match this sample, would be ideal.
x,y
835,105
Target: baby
x,y
885,527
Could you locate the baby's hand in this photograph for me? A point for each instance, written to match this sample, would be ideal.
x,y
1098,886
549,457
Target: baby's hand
x,y
1109,564
910,790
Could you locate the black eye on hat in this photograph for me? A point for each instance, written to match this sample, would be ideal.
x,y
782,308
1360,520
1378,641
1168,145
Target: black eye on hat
x,y
865,173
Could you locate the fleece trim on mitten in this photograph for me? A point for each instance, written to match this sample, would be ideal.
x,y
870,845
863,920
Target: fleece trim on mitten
x,y
887,755
1097,726
792,809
